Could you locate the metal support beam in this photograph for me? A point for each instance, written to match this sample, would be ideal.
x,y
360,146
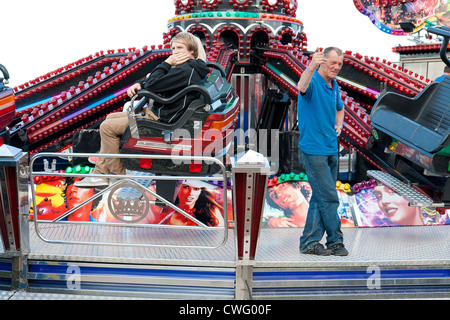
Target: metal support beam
x,y
250,175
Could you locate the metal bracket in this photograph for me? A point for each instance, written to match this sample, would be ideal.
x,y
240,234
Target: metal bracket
x,y
168,136
132,123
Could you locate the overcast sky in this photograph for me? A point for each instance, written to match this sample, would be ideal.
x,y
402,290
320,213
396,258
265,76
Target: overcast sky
x,y
41,36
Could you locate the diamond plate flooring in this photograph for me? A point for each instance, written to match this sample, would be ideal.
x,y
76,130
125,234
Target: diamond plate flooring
x,y
278,247
17,295
367,246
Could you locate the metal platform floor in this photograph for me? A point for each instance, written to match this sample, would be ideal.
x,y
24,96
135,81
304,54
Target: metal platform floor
x,y
366,246
278,247
17,295
223,256
414,263
383,263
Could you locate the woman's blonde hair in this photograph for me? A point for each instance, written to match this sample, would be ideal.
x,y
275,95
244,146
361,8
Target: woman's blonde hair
x,y
192,42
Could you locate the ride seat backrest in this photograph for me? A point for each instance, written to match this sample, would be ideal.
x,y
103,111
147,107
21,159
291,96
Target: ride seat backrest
x,y
436,114
214,84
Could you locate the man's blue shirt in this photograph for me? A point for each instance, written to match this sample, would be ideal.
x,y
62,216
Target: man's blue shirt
x,y
440,78
316,112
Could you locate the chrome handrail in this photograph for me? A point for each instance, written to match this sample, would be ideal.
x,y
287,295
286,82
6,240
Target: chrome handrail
x,y
222,177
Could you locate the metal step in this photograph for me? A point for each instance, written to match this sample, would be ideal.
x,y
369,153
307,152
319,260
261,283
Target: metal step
x,y
146,281
416,198
383,263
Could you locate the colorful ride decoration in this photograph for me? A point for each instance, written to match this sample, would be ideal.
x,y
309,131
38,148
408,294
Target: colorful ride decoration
x,y
403,17
240,24
7,103
52,108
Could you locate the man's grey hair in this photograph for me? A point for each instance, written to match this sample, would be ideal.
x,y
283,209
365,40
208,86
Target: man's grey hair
x,y
335,49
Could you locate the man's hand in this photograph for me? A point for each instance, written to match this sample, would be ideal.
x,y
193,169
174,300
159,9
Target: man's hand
x,y
338,128
317,59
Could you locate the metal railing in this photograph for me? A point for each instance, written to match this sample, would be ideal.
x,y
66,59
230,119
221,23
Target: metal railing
x,y
127,181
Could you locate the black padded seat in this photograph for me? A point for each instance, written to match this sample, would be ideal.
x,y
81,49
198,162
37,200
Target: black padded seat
x,y
213,96
423,121
215,108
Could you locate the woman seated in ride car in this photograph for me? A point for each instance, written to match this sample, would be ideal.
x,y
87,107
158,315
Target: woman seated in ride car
x,y
186,66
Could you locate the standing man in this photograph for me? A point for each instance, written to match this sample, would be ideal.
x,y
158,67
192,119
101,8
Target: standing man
x,y
446,73
320,114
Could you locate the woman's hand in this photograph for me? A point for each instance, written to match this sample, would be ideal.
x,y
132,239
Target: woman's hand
x,y
178,58
133,89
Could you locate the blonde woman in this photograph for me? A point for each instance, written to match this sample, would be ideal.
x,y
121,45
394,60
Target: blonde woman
x,y
186,66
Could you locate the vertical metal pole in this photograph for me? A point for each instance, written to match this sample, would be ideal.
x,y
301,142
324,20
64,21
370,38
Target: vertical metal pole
x,y
14,210
250,175
19,281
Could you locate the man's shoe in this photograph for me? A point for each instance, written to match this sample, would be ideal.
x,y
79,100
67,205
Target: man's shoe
x,y
318,249
338,249
92,182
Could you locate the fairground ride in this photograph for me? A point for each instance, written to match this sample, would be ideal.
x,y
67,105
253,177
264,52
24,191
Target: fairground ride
x,y
257,50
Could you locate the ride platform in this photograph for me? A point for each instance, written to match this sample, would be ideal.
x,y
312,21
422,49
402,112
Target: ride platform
x,y
242,259
394,262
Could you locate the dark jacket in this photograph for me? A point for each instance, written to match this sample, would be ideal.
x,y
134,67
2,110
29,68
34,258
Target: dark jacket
x,y
167,80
